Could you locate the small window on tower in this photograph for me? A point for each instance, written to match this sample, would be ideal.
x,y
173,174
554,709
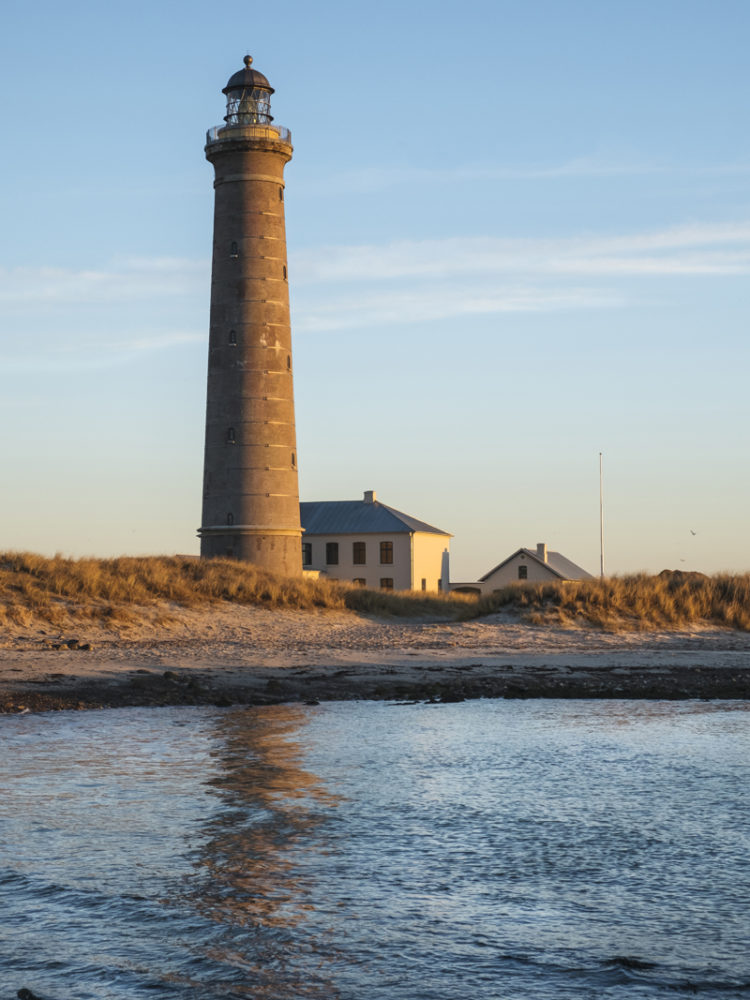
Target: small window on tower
x,y
230,518
230,436
294,460
289,362
233,338
234,250
284,269
281,194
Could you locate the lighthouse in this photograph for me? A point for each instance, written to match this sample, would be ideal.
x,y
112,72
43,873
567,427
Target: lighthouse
x,y
250,484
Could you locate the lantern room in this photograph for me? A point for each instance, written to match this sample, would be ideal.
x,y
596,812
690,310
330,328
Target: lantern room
x,y
248,97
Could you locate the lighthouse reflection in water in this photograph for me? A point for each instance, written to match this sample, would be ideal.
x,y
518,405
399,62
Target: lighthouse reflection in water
x,y
486,849
246,878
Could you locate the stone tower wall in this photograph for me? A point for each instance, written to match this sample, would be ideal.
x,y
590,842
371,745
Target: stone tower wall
x,y
251,494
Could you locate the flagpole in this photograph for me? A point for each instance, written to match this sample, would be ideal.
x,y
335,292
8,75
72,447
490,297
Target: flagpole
x,y
601,518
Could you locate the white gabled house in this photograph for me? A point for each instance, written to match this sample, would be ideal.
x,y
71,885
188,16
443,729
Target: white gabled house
x,y
373,545
526,565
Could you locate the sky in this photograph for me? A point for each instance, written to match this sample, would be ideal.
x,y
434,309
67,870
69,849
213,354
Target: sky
x,y
518,235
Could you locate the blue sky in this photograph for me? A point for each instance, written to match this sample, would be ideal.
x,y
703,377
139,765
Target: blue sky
x,y
519,235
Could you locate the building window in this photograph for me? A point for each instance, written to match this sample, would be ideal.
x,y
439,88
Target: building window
x,y
294,461
281,194
386,553
288,362
360,581
230,436
230,553
234,250
424,584
230,518
233,338
307,553
386,583
332,553
523,572
359,553
284,269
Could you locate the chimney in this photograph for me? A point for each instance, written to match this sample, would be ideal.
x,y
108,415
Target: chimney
x,y
444,583
370,496
541,550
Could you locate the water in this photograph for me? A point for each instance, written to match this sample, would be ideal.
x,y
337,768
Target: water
x,y
483,850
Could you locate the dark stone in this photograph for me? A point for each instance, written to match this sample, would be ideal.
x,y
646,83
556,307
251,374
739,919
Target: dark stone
x,y
451,697
628,962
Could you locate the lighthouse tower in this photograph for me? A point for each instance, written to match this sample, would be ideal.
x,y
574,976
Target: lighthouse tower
x,y
250,489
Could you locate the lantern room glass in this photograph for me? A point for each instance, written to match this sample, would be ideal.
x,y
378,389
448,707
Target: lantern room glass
x,y
248,106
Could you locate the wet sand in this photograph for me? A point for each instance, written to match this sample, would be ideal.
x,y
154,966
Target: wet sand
x,y
248,655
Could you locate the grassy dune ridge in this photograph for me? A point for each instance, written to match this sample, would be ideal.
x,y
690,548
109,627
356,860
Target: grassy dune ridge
x,y
56,590
34,587
639,601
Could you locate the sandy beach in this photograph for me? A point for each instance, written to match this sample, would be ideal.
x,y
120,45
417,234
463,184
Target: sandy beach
x,y
232,654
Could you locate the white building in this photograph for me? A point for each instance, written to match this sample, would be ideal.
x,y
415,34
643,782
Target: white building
x,y
526,566
368,543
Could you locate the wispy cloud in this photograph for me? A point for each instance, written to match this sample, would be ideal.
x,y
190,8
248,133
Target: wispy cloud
x,y
408,282
425,304
691,249
86,355
65,319
372,179
120,281
119,313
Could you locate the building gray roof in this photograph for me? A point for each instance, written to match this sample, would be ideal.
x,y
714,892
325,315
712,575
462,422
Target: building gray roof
x,y
560,566
358,517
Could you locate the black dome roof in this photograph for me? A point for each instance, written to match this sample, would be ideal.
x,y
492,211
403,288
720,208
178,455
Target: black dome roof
x,y
247,78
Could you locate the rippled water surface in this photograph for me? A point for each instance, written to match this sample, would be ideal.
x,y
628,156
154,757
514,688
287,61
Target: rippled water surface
x,y
496,849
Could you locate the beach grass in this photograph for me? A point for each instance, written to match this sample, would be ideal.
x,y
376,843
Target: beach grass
x,y
671,599
114,591
110,591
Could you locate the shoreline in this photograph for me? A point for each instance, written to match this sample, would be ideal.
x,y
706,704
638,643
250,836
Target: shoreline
x,y
146,688
255,656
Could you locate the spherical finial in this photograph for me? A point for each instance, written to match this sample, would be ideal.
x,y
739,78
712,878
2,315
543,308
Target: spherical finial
x,y
248,61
